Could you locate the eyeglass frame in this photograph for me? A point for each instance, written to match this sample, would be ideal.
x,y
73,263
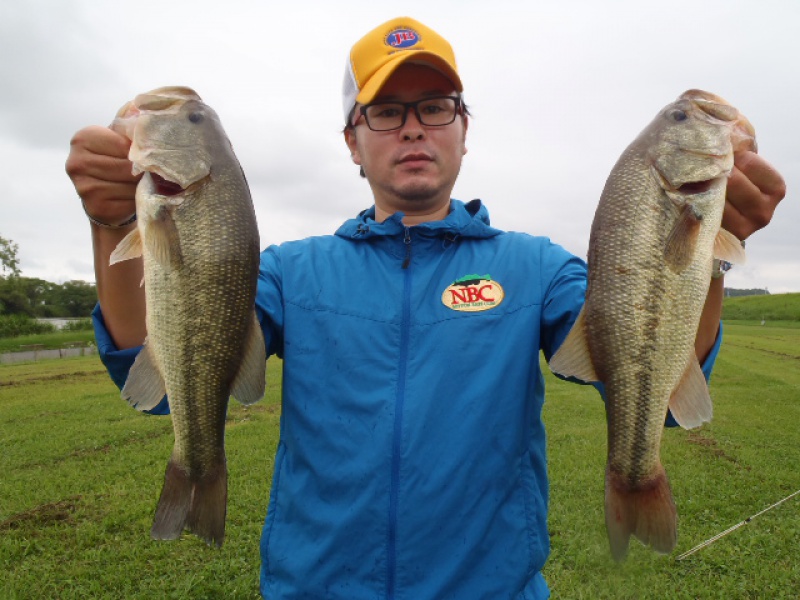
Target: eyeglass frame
x,y
460,110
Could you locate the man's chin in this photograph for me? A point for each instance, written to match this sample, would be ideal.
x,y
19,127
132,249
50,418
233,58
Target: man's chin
x,y
418,192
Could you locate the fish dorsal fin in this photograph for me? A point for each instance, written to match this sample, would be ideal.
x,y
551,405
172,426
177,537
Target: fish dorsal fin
x,y
129,247
163,240
144,387
690,403
682,240
248,386
728,247
572,359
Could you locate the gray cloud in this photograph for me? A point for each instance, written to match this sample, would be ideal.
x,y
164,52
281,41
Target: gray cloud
x,y
557,92
53,71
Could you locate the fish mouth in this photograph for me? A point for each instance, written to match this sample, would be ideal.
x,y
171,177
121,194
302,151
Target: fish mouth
x,y
165,187
719,154
688,188
691,188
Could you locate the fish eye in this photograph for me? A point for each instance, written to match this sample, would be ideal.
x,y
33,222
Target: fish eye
x,y
196,117
678,115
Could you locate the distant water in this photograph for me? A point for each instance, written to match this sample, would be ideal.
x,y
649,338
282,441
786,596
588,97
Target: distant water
x,y
57,323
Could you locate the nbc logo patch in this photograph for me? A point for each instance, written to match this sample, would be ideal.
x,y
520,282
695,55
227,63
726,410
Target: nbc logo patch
x,y
473,293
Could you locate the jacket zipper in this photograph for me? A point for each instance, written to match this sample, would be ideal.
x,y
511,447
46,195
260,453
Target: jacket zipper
x,y
391,575
407,242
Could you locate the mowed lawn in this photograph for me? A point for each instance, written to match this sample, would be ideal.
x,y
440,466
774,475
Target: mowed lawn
x,y
745,460
80,473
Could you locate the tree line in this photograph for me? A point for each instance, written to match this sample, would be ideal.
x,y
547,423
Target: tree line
x,y
34,297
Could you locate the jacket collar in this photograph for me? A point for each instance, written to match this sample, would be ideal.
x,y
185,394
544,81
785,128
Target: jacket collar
x,y
464,220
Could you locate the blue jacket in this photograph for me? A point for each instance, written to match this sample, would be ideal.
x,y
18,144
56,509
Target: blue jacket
x,y
411,462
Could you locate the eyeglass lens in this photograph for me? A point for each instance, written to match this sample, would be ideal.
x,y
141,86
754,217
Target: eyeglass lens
x,y
385,116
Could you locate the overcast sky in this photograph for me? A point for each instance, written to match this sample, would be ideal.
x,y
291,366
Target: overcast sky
x,y
557,90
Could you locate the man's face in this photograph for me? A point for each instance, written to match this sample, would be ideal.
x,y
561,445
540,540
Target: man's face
x,y
412,169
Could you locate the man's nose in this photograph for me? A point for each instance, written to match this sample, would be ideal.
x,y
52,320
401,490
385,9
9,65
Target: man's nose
x,y
412,128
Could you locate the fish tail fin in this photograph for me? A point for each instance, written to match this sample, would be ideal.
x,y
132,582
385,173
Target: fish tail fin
x,y
173,504
198,506
206,517
646,511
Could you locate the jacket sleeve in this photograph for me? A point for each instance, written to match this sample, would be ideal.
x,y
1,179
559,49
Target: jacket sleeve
x,y
563,281
268,306
563,301
118,362
269,300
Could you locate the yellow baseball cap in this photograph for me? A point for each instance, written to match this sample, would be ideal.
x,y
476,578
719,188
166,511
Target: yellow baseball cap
x,y
377,55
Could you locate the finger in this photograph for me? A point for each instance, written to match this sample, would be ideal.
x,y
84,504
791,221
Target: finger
x,y
101,140
752,196
108,168
735,222
762,174
97,193
98,152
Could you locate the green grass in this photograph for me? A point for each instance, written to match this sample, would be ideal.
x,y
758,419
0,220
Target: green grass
x,y
742,462
81,472
56,339
777,307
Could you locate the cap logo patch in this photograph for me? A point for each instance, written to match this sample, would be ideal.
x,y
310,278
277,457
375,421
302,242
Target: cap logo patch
x,y
402,38
473,293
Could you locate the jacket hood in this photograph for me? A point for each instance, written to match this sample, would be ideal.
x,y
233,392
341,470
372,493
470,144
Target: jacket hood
x,y
469,220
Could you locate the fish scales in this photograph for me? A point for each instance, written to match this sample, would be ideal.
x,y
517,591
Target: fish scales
x,y
654,235
640,315
199,362
198,237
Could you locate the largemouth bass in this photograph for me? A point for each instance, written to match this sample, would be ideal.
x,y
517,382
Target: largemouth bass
x,y
198,237
655,234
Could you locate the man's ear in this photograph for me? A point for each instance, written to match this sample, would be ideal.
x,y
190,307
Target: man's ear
x,y
464,138
350,140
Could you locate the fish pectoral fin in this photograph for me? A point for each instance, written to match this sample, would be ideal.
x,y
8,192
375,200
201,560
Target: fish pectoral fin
x,y
682,240
163,240
572,359
729,248
144,388
129,247
690,403
249,384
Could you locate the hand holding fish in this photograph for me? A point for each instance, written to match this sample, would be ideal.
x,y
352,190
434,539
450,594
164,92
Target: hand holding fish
x,y
101,173
754,190
100,170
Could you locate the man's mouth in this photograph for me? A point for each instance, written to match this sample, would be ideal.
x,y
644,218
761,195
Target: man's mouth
x,y
417,157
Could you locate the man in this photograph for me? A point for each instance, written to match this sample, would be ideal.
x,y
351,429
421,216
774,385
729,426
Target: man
x,y
411,462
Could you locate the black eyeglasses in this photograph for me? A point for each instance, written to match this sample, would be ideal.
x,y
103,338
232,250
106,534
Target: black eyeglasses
x,y
432,112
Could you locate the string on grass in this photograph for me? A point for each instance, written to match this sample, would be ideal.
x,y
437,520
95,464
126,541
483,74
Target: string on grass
x,y
710,541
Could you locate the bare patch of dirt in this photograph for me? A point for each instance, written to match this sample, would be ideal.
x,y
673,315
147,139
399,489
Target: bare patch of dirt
x,y
43,515
698,438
